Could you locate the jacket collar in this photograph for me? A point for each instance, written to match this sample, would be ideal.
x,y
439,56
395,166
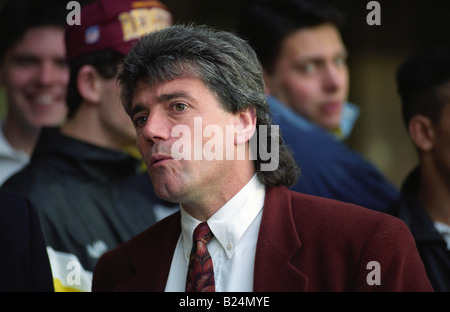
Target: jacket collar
x,y
278,243
412,212
152,271
101,163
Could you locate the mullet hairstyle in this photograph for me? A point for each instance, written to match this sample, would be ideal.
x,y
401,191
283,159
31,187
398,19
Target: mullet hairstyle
x,y
225,63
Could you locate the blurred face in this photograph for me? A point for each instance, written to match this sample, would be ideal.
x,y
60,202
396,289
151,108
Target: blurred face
x,y
156,111
35,75
113,117
311,74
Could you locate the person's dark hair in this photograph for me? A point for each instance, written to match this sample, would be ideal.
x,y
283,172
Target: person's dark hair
x,y
265,23
224,62
107,63
18,16
418,80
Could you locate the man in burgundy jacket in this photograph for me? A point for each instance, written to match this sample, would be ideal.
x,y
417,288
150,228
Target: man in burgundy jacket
x,y
196,98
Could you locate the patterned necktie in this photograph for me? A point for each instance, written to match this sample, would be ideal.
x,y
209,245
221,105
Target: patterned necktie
x,y
200,277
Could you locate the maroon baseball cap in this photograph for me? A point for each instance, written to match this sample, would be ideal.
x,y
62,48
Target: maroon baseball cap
x,y
114,24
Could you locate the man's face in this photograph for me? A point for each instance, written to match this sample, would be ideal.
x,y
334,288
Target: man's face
x,y
189,104
311,74
35,75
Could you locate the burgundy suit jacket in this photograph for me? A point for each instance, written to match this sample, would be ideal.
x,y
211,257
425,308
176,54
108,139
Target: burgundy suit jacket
x,y
305,243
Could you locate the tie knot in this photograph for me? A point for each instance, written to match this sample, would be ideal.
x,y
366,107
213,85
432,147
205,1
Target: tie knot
x,y
202,233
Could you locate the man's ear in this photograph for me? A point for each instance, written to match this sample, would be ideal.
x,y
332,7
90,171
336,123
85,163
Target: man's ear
x,y
245,125
88,84
421,132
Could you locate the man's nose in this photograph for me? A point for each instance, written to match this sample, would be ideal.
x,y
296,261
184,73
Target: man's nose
x,y
334,78
47,74
157,127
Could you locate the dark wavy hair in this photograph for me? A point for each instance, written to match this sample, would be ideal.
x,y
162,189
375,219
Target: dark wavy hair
x,y
419,78
229,68
266,23
19,16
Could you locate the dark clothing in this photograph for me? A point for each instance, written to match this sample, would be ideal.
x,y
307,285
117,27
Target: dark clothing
x,y
328,167
431,245
305,243
24,264
89,199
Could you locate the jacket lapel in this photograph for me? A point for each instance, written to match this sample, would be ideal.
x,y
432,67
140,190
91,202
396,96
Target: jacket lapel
x,y
278,243
151,269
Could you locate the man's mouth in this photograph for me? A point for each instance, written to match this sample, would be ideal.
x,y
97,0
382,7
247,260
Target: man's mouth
x,y
44,99
330,108
159,159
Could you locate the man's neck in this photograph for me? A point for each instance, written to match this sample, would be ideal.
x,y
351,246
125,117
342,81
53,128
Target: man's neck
x,y
209,205
85,127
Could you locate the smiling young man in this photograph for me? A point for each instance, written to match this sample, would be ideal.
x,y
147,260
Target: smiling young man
x,y
34,73
239,227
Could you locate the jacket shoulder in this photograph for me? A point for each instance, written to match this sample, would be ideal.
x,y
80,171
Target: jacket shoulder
x,y
340,221
340,240
330,209
322,211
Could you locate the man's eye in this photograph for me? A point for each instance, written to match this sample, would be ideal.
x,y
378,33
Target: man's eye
x,y
306,68
25,61
139,121
340,61
61,63
179,107
309,68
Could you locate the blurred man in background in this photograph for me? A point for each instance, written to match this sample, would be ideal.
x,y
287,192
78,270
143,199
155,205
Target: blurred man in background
x,y
304,59
34,74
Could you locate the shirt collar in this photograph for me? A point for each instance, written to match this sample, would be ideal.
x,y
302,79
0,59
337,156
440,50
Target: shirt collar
x,y
231,221
350,114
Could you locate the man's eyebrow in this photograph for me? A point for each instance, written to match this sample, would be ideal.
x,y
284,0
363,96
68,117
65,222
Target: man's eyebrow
x,y
138,107
175,95
18,57
319,58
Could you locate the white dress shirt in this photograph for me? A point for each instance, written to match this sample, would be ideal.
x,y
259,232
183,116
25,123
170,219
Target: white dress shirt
x,y
235,227
444,230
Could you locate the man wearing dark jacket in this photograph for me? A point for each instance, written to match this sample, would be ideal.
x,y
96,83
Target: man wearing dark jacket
x,y
24,264
424,204
90,193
